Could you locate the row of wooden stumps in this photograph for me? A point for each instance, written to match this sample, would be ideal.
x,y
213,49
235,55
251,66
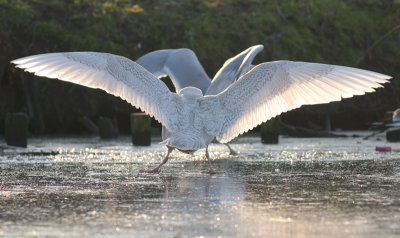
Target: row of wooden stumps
x,y
140,128
16,129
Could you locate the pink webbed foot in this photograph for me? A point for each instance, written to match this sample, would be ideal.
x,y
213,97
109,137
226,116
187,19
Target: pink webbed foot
x,y
157,169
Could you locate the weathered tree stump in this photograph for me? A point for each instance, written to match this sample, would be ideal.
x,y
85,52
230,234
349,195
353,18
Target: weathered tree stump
x,y
393,135
141,129
107,128
16,129
89,124
270,131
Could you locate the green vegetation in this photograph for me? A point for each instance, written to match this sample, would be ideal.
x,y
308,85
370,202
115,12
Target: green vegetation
x,y
336,32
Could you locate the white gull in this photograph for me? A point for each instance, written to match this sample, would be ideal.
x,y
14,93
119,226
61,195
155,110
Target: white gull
x,y
185,70
193,120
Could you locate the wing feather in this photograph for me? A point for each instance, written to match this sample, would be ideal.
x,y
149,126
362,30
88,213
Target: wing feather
x,y
232,69
275,87
181,65
116,75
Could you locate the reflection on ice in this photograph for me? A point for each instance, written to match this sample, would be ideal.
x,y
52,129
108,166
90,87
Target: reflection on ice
x,y
299,188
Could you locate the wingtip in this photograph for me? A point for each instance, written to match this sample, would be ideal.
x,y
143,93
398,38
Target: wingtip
x,y
386,78
258,45
257,48
20,60
383,76
16,62
32,58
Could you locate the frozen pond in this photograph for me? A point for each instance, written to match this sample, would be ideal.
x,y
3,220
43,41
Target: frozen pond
x,y
87,187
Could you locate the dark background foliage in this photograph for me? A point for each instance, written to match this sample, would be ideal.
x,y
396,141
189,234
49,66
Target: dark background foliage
x,y
357,33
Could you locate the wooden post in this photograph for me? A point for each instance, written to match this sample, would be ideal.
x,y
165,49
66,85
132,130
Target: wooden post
x,y
141,129
270,131
393,135
107,128
16,129
328,124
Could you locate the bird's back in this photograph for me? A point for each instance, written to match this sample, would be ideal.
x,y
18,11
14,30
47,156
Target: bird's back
x,y
189,133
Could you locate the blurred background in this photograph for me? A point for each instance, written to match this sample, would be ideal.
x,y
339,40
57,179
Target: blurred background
x,y
357,33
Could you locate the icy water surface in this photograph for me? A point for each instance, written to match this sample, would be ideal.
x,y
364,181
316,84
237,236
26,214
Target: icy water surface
x,y
87,187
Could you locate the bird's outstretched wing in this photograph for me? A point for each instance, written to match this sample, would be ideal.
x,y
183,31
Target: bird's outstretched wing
x,y
116,75
181,65
275,87
232,69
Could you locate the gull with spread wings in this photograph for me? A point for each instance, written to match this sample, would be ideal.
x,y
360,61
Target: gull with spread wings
x,y
193,120
185,70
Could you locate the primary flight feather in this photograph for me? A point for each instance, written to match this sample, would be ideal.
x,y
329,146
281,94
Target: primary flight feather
x,y
193,120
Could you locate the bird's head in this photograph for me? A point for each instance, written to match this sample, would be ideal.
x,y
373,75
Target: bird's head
x,y
190,92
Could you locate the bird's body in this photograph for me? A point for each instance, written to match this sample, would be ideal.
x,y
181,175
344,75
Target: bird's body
x,y
193,120
185,70
190,135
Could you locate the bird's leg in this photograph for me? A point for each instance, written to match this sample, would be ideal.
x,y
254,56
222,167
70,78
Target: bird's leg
x,y
158,168
211,171
231,151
